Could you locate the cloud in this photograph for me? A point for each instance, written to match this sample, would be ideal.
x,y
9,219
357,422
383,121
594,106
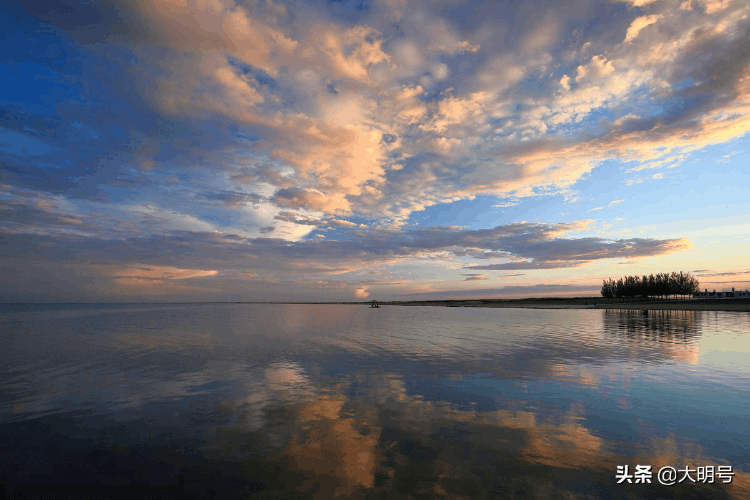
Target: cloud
x,y
475,277
611,204
150,122
518,290
639,3
283,264
361,293
298,219
565,82
333,109
342,223
558,253
232,198
639,24
160,273
712,274
311,199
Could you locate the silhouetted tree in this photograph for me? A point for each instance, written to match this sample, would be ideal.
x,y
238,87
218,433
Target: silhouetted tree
x,y
661,285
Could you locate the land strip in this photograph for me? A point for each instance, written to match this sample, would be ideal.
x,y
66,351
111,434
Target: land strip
x,y
589,303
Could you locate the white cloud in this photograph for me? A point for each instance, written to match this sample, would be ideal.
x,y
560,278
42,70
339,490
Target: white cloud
x,y
505,204
271,121
356,126
639,24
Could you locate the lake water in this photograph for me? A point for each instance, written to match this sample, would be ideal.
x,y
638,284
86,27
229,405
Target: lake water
x,y
337,401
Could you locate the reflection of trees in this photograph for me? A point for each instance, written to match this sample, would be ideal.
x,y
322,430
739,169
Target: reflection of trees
x,y
675,333
679,326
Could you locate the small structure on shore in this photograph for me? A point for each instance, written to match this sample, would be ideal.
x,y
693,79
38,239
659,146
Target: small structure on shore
x,y
733,294
374,304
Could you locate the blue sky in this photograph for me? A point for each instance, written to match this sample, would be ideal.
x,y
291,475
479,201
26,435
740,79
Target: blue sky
x,y
260,150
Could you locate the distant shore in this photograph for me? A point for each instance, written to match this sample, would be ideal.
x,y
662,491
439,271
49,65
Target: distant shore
x,y
589,303
741,305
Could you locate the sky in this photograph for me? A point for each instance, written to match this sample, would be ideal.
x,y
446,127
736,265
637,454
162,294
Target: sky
x,y
221,150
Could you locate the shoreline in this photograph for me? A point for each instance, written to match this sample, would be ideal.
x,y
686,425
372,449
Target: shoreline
x,y
741,305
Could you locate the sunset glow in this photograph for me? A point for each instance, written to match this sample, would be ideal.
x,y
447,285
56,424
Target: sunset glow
x,y
221,150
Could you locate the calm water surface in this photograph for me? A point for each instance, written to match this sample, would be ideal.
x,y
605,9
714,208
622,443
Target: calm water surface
x,y
335,401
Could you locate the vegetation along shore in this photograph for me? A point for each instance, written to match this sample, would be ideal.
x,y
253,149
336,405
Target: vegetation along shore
x,y
589,303
662,291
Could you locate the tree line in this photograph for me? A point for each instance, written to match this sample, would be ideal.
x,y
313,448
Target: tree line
x,y
659,285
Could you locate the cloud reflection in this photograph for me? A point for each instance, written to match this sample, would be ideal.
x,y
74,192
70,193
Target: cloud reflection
x,y
508,410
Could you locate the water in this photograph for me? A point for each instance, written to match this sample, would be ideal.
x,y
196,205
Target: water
x,y
336,401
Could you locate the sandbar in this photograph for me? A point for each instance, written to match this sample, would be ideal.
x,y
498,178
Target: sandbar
x,y
742,304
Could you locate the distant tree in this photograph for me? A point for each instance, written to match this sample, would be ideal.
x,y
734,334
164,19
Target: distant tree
x,y
696,285
674,285
660,285
644,289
